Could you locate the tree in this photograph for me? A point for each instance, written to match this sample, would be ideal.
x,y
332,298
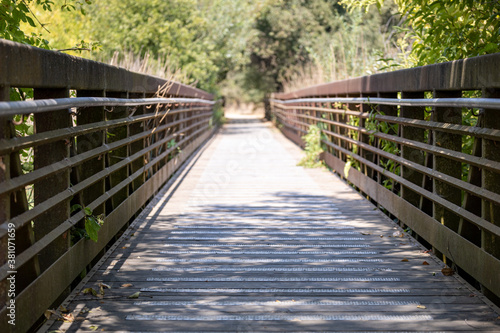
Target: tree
x,y
447,30
15,14
286,31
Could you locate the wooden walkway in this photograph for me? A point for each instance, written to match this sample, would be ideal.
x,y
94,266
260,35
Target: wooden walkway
x,y
246,241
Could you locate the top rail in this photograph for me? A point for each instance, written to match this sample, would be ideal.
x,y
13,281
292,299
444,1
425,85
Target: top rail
x,y
25,66
490,103
8,109
465,74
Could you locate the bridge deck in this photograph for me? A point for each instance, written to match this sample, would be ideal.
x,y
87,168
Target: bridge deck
x,y
249,241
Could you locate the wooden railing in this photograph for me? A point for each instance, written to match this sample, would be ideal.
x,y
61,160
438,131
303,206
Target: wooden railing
x,y
424,145
105,140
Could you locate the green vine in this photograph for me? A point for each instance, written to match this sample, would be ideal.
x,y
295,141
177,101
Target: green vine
x,y
313,148
93,223
390,147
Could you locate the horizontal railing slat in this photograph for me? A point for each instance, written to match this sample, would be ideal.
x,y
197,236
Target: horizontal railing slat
x,y
23,142
66,225
34,176
9,109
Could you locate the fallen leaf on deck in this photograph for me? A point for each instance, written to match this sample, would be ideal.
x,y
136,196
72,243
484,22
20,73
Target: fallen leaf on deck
x,y
135,295
428,251
63,309
447,271
124,247
80,318
103,286
278,301
90,291
425,263
421,307
126,285
397,234
404,260
93,327
49,313
68,318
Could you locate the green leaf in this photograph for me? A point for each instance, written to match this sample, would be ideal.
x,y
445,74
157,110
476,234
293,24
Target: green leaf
x,y
92,227
89,291
489,48
347,168
134,295
88,211
75,208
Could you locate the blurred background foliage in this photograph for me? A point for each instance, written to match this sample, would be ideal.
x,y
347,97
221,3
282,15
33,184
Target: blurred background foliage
x,y
244,49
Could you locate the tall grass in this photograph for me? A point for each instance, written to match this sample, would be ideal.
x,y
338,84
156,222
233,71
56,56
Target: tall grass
x,y
146,64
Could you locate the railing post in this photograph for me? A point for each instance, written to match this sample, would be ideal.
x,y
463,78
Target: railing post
x,y
88,142
491,180
471,202
138,145
412,154
117,155
4,199
49,186
365,138
445,165
341,131
392,111
17,203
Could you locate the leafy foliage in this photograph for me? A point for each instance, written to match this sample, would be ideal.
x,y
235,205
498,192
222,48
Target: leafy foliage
x,y
446,30
92,223
313,148
450,30
18,19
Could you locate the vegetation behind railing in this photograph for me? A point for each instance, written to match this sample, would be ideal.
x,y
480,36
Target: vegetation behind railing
x,y
434,168
87,170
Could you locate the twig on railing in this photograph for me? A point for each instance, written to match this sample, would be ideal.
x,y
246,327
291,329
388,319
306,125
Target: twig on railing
x,y
161,92
75,49
36,18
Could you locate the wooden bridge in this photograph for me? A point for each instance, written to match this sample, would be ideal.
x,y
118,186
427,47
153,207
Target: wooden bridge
x,y
216,229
